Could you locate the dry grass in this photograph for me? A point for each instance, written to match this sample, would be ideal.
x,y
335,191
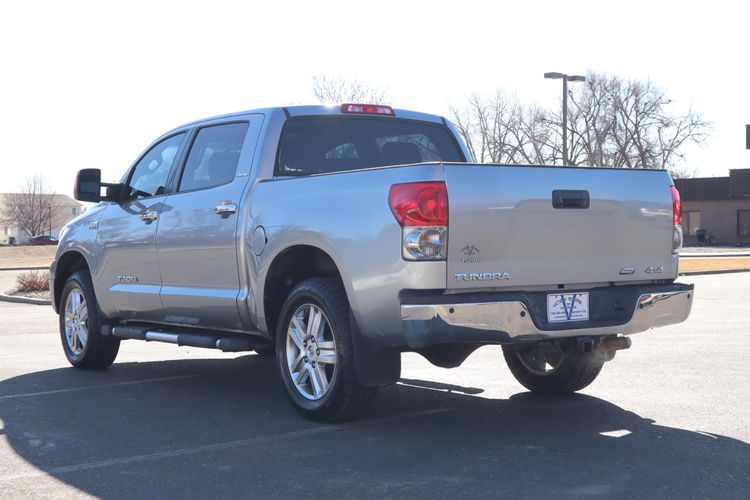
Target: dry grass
x,y
714,264
31,281
25,256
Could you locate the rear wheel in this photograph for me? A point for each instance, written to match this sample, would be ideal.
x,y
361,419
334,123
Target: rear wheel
x,y
315,355
266,350
546,368
80,326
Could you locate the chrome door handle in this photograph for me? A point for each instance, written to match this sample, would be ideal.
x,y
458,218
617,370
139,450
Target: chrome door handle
x,y
149,216
226,209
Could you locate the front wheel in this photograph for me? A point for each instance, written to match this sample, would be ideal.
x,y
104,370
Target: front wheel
x,y
544,367
80,326
315,354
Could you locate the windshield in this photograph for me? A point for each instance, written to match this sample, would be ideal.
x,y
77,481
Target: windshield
x,y
333,144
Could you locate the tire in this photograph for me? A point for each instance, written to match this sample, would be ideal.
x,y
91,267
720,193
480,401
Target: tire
x,y
326,357
570,372
266,350
94,352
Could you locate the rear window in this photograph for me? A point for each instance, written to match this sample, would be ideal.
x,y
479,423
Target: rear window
x,y
334,144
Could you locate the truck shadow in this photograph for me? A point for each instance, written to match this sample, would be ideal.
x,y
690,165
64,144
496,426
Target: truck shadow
x,y
223,428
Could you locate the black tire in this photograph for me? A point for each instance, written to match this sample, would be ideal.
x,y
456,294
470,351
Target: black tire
x,y
572,373
346,398
266,350
99,352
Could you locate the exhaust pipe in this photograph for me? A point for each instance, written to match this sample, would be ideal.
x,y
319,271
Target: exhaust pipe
x,y
614,344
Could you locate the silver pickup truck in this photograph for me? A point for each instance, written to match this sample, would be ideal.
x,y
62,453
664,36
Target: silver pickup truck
x,y
336,238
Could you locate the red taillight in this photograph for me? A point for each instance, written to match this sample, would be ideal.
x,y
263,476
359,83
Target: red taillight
x,y
676,207
367,109
419,203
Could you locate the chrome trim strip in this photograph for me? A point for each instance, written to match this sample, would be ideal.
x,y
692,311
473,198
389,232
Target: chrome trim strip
x,y
514,319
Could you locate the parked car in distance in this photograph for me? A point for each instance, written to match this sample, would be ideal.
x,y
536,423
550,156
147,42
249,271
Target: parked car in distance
x,y
337,238
43,240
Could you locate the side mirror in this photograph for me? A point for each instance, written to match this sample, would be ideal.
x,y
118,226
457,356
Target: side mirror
x,y
88,187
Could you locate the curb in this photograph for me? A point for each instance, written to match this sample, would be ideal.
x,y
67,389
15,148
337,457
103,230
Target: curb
x,y
37,268
24,300
718,271
713,255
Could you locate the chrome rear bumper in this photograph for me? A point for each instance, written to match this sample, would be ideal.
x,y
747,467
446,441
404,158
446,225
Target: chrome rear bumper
x,y
512,321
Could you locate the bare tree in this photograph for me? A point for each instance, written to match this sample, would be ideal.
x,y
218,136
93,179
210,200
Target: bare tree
x,y
502,130
329,89
629,124
612,122
33,209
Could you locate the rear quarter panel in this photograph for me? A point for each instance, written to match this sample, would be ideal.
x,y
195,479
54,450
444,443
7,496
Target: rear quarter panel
x,y
347,216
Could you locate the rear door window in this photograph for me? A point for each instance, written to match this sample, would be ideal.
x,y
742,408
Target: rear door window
x,y
333,144
214,156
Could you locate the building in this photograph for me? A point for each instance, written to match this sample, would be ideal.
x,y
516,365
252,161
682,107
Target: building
x,y
718,204
65,208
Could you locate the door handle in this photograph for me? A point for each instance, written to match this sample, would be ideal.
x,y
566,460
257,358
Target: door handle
x,y
570,198
149,216
226,209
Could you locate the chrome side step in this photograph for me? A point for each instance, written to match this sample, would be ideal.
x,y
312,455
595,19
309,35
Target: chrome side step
x,y
208,340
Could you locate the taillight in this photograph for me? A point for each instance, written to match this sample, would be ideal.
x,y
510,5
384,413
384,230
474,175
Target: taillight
x,y
676,219
421,209
676,207
420,203
367,109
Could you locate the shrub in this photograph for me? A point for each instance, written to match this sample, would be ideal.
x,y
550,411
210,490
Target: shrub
x,y
32,281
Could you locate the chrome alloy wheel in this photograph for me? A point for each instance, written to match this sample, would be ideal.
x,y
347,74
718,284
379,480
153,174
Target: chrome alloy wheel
x,y
76,322
311,352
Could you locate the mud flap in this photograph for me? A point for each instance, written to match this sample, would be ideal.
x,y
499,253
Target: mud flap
x,y
374,367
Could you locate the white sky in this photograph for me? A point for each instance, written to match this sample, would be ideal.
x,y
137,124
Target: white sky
x,y
90,84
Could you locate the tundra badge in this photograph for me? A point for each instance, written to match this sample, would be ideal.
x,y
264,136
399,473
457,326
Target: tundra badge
x,y
481,276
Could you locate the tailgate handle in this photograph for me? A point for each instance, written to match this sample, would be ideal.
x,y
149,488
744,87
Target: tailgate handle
x,y
570,198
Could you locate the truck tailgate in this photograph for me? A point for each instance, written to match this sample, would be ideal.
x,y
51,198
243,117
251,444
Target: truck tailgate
x,y
505,232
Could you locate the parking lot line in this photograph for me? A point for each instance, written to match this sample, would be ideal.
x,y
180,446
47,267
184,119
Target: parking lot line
x,y
321,429
100,386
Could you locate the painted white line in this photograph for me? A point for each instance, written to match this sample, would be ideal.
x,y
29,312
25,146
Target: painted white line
x,y
323,429
89,387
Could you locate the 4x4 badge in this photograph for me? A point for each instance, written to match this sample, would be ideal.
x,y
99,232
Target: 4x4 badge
x,y
655,270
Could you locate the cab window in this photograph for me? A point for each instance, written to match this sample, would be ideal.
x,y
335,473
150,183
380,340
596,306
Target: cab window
x,y
325,144
213,157
149,177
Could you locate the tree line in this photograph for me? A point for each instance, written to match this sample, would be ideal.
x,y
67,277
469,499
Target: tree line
x,y
612,122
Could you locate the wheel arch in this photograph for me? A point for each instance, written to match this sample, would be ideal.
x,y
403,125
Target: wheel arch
x,y
288,268
69,262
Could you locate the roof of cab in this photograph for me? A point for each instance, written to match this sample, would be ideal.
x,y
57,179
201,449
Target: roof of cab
x,y
313,110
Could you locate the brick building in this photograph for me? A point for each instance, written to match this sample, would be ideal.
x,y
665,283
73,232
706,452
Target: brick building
x,y
718,204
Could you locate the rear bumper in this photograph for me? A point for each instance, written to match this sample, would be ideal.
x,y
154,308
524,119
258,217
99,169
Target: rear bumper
x,y
520,317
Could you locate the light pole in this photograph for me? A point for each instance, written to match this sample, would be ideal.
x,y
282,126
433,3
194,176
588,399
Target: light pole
x,y
565,79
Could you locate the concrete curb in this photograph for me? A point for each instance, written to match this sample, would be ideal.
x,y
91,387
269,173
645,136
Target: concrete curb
x,y
713,255
37,268
718,271
24,300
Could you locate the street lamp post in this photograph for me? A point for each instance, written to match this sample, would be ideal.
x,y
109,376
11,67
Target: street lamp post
x,y
565,79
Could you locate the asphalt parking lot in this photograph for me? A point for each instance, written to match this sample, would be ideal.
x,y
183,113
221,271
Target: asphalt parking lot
x,y
670,418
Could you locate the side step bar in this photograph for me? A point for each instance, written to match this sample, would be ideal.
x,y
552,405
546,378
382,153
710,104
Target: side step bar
x,y
224,342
